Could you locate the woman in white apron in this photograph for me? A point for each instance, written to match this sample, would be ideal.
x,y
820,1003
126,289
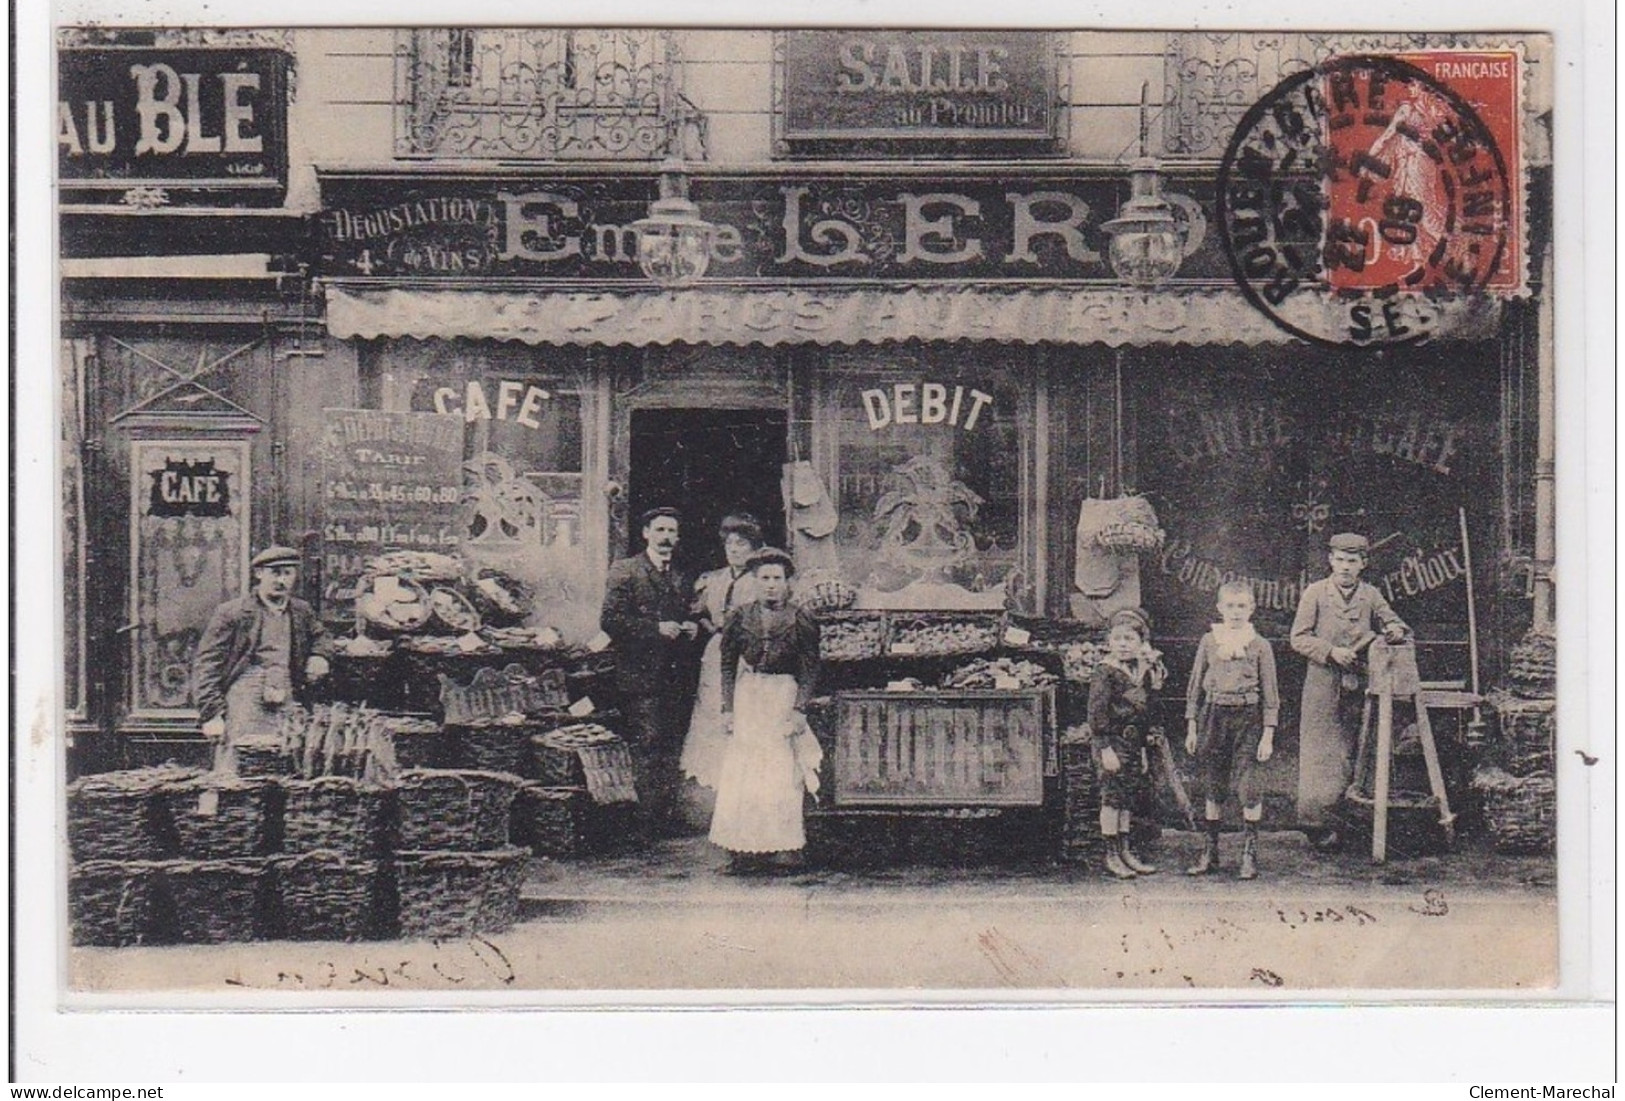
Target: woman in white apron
x,y
769,673
716,595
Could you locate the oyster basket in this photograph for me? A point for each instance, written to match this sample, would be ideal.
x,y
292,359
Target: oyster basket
x,y
454,811
220,817
121,815
943,634
262,760
216,901
113,903
459,894
1532,666
557,754
1528,733
851,636
495,747
551,820
337,814
327,896
1521,812
1080,805
419,741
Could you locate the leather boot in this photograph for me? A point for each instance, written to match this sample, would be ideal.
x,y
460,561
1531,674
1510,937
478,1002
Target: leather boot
x,y
1135,864
1114,858
1209,860
1249,852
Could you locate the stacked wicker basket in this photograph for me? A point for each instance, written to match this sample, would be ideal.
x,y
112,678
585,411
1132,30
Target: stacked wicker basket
x,y
582,799
166,854
1518,787
455,873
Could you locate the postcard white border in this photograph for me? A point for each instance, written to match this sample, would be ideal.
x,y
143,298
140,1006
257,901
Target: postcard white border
x,y
1493,1039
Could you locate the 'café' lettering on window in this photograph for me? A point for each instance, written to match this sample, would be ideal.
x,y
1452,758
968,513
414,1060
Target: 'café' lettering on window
x,y
924,403
514,401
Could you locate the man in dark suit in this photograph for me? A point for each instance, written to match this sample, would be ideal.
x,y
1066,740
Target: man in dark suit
x,y
646,613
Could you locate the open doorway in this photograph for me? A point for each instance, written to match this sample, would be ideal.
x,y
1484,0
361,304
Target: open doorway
x,y
707,463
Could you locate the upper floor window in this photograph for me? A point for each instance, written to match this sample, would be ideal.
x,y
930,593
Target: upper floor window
x,y
533,94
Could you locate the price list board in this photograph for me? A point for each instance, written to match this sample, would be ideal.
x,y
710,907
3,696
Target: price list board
x,y
390,481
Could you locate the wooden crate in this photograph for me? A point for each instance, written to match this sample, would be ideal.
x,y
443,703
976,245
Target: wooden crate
x,y
961,747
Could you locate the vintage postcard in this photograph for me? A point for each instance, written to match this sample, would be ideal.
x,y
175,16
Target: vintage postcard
x,y
609,514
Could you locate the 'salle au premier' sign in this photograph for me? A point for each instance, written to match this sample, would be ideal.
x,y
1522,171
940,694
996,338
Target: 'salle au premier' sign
x,y
918,85
184,118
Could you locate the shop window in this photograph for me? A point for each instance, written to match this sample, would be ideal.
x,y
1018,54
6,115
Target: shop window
x,y
527,93
925,471
521,513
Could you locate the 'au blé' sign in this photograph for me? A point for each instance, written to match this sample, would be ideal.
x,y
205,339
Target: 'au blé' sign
x,y
918,85
192,119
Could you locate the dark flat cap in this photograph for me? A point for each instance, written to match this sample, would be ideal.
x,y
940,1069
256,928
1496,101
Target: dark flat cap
x,y
276,556
655,513
1349,541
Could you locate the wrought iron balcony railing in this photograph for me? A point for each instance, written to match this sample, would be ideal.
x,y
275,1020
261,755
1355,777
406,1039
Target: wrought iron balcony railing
x,y
535,94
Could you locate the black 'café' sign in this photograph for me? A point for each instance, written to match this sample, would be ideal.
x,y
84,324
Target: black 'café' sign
x,y
184,488
191,119
913,86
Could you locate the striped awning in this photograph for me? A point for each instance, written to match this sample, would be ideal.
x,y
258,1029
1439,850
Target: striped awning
x,y
1114,316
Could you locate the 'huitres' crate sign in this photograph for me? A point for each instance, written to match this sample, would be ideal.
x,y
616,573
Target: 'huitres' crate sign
x,y
494,694
947,748
866,84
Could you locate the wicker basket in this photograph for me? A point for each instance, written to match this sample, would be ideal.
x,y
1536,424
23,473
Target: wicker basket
x,y
551,820
419,741
216,901
453,611
336,814
1521,812
393,616
121,816
1528,733
851,636
262,760
1532,667
112,903
326,896
825,594
557,753
939,634
1130,535
221,817
495,747
459,894
454,811
1080,823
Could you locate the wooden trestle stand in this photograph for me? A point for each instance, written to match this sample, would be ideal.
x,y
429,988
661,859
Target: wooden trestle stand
x,y
1393,676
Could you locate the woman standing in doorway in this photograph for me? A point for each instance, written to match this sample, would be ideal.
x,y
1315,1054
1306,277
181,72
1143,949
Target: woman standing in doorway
x,y
716,595
769,673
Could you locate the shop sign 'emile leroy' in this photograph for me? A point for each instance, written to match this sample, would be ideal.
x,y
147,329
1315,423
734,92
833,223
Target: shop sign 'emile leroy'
x,y
202,118
1045,226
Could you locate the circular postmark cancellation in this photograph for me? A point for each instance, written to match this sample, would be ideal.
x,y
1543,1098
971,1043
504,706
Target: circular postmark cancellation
x,y
1363,203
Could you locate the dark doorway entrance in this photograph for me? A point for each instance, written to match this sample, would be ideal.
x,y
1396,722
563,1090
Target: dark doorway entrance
x,y
707,463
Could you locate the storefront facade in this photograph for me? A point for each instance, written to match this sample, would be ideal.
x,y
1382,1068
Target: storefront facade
x,y
910,354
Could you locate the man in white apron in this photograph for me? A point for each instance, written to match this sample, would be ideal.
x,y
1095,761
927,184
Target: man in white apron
x,y
258,653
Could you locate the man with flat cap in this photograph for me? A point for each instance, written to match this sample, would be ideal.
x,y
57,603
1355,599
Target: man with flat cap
x,y
257,653
646,614
1338,617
